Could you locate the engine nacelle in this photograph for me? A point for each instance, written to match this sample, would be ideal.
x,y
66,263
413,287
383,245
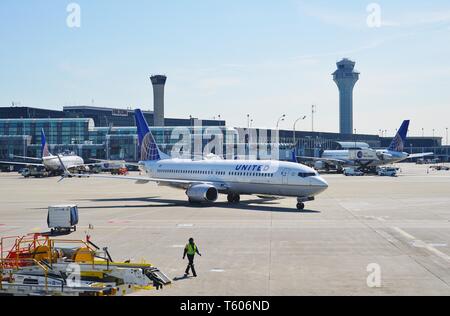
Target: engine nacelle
x,y
202,193
319,165
383,156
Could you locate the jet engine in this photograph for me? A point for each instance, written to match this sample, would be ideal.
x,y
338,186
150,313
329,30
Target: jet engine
x,y
202,193
320,165
383,156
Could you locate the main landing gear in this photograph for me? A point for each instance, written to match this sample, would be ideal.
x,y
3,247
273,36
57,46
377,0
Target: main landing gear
x,y
234,198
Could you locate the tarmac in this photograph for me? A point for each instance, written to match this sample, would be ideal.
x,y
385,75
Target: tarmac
x,y
364,236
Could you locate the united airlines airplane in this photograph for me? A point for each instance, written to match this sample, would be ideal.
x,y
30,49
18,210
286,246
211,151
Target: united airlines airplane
x,y
368,159
204,180
51,162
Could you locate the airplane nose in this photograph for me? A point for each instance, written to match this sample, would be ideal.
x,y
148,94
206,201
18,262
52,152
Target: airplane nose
x,y
319,184
323,183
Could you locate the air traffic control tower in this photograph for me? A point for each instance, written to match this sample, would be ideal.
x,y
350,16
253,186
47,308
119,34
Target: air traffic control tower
x,y
346,77
158,83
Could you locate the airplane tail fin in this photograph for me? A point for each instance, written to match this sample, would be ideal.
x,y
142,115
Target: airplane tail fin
x,y
147,145
44,145
398,143
294,155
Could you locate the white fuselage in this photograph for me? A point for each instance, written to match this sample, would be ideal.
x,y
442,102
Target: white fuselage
x,y
336,154
52,162
389,157
368,157
242,176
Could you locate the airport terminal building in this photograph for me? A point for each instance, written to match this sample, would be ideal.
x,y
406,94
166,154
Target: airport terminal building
x,y
108,133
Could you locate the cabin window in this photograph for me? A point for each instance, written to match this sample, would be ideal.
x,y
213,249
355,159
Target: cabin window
x,y
306,174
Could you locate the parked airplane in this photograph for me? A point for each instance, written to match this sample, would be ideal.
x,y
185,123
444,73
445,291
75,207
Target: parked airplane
x,y
204,180
51,162
368,159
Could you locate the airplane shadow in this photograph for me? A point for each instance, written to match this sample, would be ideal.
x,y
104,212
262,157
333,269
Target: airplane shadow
x,y
259,205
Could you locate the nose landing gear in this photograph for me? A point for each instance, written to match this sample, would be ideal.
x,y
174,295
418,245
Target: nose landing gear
x,y
300,206
301,202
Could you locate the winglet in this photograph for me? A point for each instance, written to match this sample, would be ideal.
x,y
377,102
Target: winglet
x,y
66,173
294,156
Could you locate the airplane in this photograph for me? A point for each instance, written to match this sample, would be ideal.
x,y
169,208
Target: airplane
x,y
204,180
368,159
51,162
395,152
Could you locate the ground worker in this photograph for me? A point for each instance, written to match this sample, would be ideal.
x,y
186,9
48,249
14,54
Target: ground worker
x,y
190,250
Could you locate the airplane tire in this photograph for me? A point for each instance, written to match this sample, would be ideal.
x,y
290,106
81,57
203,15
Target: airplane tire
x,y
192,202
300,206
233,198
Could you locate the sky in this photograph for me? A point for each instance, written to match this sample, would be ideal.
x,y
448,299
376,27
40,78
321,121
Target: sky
x,y
231,58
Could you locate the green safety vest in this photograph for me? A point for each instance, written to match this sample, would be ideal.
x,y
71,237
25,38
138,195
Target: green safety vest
x,y
191,249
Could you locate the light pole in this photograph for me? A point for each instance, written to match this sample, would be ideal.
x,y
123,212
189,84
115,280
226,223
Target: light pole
x,y
446,141
423,132
295,123
248,120
446,136
313,111
281,119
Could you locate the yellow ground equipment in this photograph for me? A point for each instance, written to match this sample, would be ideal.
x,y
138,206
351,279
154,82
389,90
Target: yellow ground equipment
x,y
38,264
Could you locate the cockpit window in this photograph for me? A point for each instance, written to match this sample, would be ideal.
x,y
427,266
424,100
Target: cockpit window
x,y
306,174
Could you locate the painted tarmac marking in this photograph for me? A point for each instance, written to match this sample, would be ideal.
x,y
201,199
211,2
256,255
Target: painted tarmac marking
x,y
381,219
405,234
217,270
118,222
438,245
177,246
185,225
420,244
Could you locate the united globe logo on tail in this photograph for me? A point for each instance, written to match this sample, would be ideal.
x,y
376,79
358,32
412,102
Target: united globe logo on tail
x,y
44,145
45,151
398,143
149,150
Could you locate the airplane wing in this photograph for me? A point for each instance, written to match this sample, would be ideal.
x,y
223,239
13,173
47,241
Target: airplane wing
x,y
22,163
330,160
24,157
145,180
412,156
99,161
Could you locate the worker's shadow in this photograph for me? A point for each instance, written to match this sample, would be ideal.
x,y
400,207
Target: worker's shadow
x,y
182,278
